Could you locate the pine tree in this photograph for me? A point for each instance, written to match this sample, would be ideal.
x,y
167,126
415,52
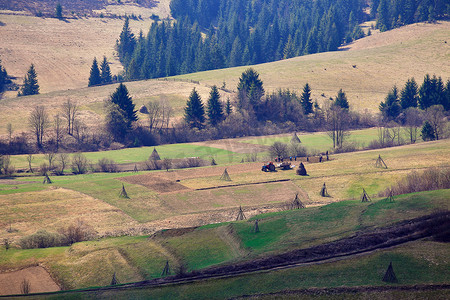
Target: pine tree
x,y
58,11
122,98
409,94
30,83
250,89
105,72
428,132
391,108
194,112
228,107
306,101
3,77
214,107
126,43
94,76
383,20
341,100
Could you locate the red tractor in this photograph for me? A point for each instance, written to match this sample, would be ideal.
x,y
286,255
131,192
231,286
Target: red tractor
x,y
269,167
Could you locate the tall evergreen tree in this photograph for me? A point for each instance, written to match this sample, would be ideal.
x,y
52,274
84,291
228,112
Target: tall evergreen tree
x,y
431,92
124,101
126,43
250,89
409,94
306,100
214,107
341,100
30,83
383,21
105,71
228,107
194,112
391,108
94,76
58,11
3,77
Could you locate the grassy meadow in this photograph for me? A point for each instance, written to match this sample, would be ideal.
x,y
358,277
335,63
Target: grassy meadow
x,y
137,258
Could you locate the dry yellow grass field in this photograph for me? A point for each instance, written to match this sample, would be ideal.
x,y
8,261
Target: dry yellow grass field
x,y
366,69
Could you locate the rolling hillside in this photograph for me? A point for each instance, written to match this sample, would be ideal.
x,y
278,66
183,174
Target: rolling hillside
x,y
366,69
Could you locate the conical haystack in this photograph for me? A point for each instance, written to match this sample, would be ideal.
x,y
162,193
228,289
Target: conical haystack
x,y
225,176
240,215
114,280
390,197
154,155
389,276
301,170
380,163
255,228
123,193
166,270
323,191
297,203
365,197
135,169
295,138
213,162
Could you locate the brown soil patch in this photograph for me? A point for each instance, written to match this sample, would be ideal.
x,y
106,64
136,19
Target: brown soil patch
x,y
234,146
166,182
40,281
13,181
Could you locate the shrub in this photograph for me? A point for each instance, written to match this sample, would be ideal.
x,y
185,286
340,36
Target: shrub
x,y
278,149
42,239
107,165
80,163
428,180
153,165
296,149
78,232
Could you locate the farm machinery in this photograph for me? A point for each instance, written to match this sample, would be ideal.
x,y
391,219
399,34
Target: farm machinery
x,y
270,166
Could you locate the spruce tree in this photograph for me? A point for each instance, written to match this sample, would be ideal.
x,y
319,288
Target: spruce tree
x,y
3,77
341,100
228,107
428,132
58,11
306,101
105,72
214,107
409,94
250,89
126,43
94,76
194,112
391,108
122,98
30,83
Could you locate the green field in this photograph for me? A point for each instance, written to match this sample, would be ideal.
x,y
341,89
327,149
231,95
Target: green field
x,y
136,258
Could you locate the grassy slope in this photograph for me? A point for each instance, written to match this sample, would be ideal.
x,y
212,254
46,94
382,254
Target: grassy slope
x,y
136,258
381,60
345,175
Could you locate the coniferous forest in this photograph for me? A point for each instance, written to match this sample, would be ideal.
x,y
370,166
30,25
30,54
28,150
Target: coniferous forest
x,y
212,34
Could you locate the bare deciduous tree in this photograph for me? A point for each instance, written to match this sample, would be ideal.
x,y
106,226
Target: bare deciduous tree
x,y
79,163
153,114
63,159
337,120
30,160
159,114
58,130
436,117
413,120
39,122
50,157
9,129
70,112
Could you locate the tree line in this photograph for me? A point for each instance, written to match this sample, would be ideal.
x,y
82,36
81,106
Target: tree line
x,y
210,34
390,14
413,106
